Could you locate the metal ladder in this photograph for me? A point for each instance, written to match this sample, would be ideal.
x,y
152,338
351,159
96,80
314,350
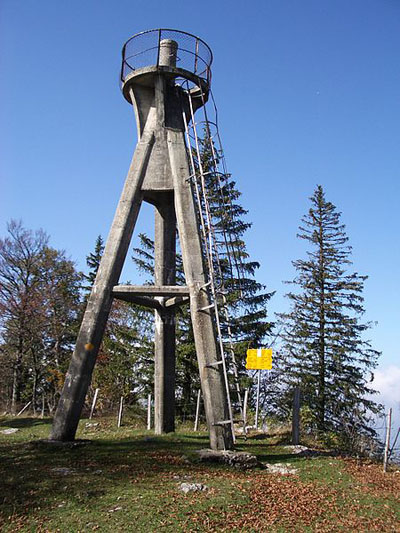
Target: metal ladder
x,y
211,245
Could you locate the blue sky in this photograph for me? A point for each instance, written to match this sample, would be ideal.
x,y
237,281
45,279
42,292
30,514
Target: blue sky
x,y
307,94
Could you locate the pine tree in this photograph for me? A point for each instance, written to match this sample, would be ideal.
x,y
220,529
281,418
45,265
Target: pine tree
x,y
323,342
93,261
247,299
124,366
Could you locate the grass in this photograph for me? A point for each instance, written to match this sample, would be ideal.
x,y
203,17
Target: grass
x,y
128,480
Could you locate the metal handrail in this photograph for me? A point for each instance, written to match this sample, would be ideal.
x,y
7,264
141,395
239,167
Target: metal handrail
x,y
175,31
190,59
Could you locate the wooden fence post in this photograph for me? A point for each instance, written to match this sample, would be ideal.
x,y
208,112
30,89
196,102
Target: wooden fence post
x,y
196,421
121,406
96,392
148,412
387,442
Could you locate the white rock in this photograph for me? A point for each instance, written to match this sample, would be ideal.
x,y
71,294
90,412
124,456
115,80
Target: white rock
x,y
280,468
9,431
192,487
296,448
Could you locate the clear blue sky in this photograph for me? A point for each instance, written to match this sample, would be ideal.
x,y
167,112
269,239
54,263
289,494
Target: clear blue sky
x,y
308,93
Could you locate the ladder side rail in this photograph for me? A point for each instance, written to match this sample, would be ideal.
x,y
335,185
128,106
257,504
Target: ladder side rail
x,y
225,310
193,175
221,194
224,297
211,272
221,159
201,171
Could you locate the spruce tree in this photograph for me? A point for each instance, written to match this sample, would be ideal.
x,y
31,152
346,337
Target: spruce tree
x,y
323,345
123,365
93,261
246,299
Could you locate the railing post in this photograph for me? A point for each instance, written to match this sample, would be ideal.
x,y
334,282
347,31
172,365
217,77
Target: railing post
x,y
158,47
196,52
121,76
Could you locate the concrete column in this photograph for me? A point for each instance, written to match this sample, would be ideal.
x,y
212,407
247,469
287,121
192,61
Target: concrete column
x,y
98,307
164,274
168,51
212,381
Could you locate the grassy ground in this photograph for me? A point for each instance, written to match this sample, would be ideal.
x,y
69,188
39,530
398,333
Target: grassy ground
x,y
127,480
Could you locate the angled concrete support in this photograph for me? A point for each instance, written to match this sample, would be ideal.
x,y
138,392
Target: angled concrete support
x,y
159,174
98,307
211,378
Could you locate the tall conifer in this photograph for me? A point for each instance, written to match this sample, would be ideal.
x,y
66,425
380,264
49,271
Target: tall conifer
x,y
324,348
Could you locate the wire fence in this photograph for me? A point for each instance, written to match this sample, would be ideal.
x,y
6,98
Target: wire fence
x,y
147,49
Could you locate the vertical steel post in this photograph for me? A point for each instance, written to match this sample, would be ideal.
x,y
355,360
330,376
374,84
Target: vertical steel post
x,y
258,398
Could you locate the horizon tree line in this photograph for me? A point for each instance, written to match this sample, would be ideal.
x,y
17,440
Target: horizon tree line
x,y
322,344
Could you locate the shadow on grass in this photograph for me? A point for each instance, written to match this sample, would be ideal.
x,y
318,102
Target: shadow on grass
x,y
38,474
24,422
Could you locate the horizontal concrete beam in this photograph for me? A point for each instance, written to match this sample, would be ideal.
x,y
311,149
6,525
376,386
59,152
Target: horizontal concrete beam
x,y
150,290
176,301
139,300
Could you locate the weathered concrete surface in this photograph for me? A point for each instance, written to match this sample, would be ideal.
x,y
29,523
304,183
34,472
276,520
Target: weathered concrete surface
x,y
158,174
164,340
211,378
79,375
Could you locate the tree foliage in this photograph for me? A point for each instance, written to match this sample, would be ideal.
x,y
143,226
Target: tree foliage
x,y
324,349
125,363
39,304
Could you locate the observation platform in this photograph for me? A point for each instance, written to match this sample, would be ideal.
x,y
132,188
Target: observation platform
x,y
181,57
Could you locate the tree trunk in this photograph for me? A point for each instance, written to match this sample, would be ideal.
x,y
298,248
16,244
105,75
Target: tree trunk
x,y
321,362
16,386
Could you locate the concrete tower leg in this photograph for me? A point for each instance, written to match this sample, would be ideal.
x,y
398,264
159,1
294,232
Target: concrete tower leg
x,y
164,274
98,307
211,378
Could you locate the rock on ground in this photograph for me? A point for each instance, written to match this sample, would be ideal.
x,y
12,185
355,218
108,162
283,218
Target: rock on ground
x,y
280,468
240,460
192,487
9,431
297,448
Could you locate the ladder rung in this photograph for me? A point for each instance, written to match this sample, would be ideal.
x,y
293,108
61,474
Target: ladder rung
x,y
214,364
222,423
205,308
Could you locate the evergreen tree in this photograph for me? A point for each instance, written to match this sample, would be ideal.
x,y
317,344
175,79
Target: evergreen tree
x,y
246,299
323,343
93,261
124,364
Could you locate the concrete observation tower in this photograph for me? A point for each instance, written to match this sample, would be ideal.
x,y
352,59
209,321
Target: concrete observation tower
x,y
166,77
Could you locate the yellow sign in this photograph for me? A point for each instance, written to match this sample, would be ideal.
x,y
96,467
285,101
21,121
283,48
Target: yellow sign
x,y
259,359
